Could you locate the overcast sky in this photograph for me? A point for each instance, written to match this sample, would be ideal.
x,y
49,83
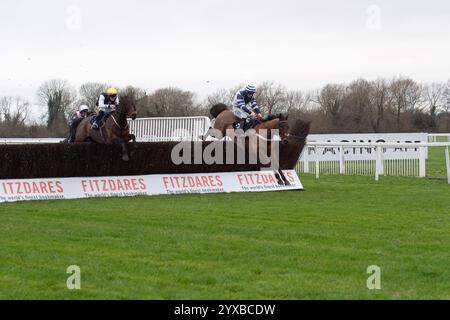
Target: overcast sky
x,y
204,45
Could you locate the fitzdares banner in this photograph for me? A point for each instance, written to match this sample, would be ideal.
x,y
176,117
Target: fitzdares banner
x,y
79,188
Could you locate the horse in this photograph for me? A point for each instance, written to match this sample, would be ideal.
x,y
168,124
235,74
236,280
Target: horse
x,y
115,129
225,120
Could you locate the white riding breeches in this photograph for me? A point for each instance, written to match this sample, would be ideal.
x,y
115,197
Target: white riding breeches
x,y
241,114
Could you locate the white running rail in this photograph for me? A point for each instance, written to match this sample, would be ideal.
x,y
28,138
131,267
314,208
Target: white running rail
x,y
390,159
439,137
169,129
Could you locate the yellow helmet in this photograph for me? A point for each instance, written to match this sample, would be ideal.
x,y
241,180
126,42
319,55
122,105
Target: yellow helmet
x,y
112,92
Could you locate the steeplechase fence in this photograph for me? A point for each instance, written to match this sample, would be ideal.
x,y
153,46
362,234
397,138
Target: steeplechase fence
x,y
52,171
399,154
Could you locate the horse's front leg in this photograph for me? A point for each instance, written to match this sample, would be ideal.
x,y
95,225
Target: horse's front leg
x,y
123,144
135,145
279,180
283,177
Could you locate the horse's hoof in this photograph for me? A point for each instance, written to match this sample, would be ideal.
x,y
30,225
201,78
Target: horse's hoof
x,y
126,158
280,182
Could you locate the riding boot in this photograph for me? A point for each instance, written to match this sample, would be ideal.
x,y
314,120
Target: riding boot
x,y
243,124
98,120
72,133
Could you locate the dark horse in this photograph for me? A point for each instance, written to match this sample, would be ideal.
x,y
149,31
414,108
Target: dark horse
x,y
225,120
115,129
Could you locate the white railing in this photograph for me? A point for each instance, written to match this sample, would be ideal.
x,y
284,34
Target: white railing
x,y
447,162
439,137
390,159
169,129
148,130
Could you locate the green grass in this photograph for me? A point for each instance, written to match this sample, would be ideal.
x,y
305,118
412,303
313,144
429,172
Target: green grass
x,y
436,166
315,244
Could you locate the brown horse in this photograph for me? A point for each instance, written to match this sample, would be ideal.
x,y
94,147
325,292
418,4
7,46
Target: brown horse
x,y
225,119
115,129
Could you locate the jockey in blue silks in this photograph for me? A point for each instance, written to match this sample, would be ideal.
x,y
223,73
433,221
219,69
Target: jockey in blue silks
x,y
245,107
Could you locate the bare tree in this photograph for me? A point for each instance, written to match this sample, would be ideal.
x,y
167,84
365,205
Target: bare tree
x,y
445,108
414,97
14,112
90,93
434,97
358,102
296,100
220,96
58,95
381,100
133,92
406,94
170,101
331,100
271,97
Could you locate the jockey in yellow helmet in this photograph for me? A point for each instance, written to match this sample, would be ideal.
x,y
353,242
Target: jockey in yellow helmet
x,y
107,103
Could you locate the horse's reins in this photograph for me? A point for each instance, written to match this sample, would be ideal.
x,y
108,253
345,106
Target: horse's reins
x,y
270,140
115,121
296,137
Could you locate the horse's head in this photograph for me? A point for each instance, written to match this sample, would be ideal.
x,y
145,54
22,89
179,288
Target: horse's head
x,y
283,128
128,106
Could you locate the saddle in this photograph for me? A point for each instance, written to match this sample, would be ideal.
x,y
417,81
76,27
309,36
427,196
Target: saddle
x,y
245,124
93,116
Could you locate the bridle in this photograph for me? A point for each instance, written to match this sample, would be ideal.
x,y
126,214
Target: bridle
x,y
284,122
118,110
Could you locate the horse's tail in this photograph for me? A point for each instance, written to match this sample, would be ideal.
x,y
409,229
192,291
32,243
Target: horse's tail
x,y
218,109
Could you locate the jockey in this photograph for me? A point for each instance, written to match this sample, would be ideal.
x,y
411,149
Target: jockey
x,y
243,98
106,103
75,120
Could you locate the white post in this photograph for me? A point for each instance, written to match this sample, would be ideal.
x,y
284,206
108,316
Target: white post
x,y
380,160
317,164
447,160
341,160
378,163
422,163
305,159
